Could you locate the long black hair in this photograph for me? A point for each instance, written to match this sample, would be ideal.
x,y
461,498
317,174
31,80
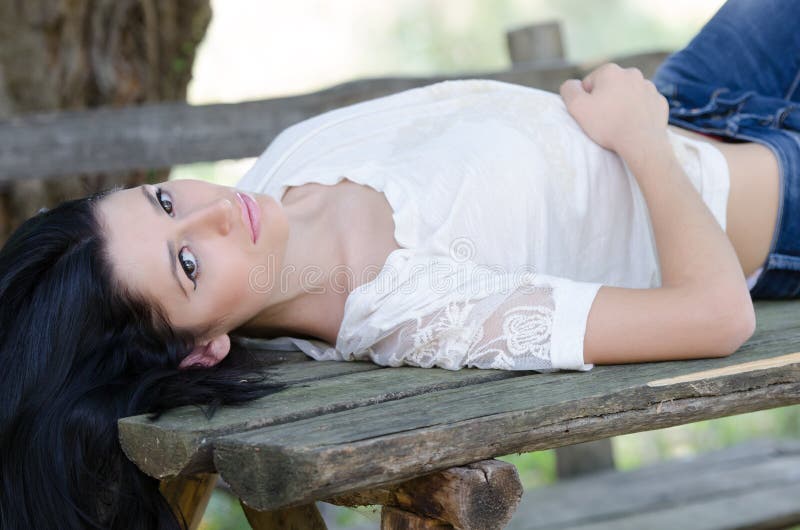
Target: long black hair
x,y
78,352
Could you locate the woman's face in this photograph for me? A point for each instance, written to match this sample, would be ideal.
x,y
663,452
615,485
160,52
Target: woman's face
x,y
189,246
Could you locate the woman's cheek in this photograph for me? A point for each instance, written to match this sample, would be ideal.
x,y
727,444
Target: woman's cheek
x,y
231,279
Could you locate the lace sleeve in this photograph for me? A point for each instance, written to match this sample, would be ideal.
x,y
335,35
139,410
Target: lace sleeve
x,y
504,321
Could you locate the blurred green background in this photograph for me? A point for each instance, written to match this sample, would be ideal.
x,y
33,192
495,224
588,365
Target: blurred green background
x,y
258,49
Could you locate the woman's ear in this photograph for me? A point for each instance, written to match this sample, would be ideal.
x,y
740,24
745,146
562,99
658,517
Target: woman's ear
x,y
208,353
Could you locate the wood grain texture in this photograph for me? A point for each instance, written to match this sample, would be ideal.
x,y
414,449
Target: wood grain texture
x,y
761,364
181,441
479,496
161,135
397,519
752,485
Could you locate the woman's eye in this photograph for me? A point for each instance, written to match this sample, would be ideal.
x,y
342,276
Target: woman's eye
x,y
166,203
188,264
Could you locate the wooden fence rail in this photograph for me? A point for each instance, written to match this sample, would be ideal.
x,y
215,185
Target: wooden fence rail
x,y
161,135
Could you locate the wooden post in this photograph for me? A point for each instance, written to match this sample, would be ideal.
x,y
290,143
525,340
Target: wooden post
x,y
189,495
305,517
584,458
397,519
482,495
538,42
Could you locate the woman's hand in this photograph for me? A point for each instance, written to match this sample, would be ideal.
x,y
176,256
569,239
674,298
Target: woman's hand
x,y
617,107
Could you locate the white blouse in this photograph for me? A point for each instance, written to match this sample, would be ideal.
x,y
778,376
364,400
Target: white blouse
x,y
509,218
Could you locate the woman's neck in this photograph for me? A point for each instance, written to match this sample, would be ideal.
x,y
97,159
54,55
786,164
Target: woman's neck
x,y
306,301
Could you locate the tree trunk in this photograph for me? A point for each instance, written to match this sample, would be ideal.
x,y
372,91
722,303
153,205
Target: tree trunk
x,y
76,54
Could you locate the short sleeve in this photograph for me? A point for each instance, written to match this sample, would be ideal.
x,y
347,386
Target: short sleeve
x,y
435,311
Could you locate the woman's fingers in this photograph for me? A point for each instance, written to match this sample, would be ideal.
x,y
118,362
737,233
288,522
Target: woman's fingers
x,y
602,71
571,90
608,70
615,105
635,72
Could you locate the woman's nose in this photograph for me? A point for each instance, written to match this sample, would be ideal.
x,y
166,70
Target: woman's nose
x,y
215,217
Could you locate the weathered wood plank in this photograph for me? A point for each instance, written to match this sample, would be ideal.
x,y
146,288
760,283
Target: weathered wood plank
x,y
760,364
309,371
188,496
392,441
752,485
479,496
176,444
268,356
773,315
598,455
181,440
162,135
396,519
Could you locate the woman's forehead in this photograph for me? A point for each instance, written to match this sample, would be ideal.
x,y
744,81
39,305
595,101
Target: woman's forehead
x,y
124,214
137,247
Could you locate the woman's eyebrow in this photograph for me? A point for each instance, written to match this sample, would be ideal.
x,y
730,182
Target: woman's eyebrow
x,y
173,264
152,200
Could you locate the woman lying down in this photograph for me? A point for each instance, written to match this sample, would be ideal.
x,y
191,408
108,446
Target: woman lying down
x,y
468,223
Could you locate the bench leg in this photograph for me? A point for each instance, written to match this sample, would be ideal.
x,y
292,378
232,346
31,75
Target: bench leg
x,y
397,519
189,495
306,517
583,458
482,495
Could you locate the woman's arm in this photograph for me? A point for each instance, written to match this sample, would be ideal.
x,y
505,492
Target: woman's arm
x,y
703,308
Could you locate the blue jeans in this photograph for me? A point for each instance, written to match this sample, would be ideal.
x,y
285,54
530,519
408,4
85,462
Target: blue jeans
x,y
739,78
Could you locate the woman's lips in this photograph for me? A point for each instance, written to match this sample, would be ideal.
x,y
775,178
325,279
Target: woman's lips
x,y
251,214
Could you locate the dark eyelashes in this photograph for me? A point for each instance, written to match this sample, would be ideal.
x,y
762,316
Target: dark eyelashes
x,y
187,264
161,202
190,274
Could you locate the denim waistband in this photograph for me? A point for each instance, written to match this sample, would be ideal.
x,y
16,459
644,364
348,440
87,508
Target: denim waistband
x,y
773,122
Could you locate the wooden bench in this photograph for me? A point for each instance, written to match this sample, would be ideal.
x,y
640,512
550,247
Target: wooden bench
x,y
421,441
